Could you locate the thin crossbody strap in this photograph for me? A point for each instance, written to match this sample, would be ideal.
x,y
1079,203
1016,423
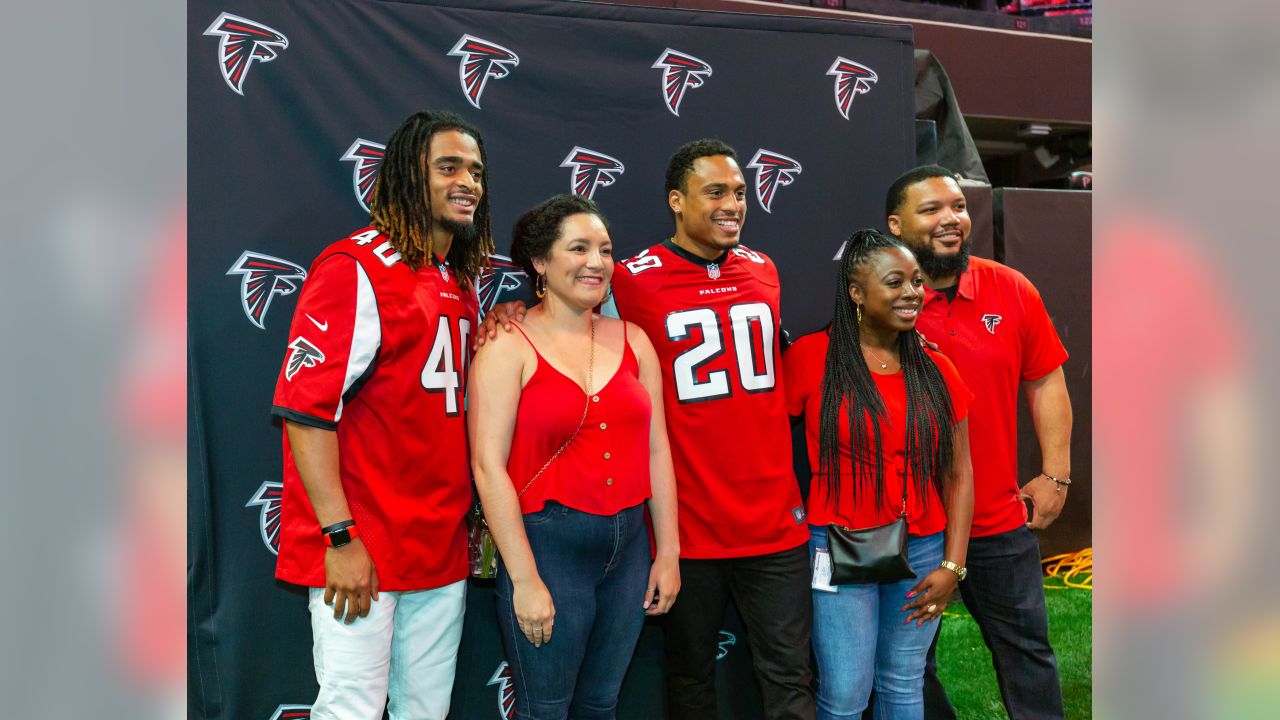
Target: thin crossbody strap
x,y
591,358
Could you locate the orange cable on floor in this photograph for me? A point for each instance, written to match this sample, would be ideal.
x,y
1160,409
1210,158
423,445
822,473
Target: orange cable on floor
x,y
1075,570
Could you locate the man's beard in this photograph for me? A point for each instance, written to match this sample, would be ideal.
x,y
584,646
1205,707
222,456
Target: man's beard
x,y
940,266
464,233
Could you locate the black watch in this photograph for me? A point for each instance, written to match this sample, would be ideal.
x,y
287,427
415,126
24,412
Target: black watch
x,y
339,534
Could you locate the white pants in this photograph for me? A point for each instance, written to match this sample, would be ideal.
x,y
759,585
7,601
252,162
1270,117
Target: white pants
x,y
402,655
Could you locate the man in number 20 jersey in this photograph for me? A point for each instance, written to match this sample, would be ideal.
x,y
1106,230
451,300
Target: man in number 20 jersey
x,y
711,307
720,363
376,471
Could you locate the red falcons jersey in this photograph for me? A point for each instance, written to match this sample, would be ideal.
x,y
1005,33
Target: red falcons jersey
x,y
379,353
716,328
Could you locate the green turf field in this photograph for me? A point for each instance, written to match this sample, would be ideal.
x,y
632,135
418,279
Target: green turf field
x,y
964,664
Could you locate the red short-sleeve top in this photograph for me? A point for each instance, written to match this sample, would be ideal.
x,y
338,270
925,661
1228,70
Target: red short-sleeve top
x,y
803,365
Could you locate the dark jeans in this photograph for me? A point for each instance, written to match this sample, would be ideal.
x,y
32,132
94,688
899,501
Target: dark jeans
x,y
596,568
772,594
1005,594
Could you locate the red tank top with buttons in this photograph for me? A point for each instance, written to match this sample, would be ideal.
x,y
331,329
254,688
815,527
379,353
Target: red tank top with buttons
x,y
605,468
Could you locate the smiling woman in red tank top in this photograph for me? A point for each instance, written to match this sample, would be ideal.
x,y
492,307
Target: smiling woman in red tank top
x,y
568,443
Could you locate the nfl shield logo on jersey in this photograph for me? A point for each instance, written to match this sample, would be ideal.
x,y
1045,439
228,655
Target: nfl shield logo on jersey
x,y
713,271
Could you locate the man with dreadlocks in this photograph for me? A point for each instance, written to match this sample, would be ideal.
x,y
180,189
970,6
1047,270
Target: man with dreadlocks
x,y
990,321
868,378
376,474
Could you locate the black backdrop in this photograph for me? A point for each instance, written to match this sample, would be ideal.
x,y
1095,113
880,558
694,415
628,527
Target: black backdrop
x,y
281,96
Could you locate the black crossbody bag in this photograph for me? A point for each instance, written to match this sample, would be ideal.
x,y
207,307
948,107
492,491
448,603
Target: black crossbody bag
x,y
872,555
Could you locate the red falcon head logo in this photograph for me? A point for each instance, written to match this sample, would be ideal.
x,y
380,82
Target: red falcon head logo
x,y
851,79
367,155
243,42
268,497
292,712
773,171
304,355
501,278
506,693
679,73
591,170
263,278
481,60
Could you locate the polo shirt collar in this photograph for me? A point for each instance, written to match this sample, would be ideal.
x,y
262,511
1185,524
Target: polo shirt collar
x,y
967,290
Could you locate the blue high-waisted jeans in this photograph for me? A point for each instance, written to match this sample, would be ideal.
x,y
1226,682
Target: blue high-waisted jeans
x,y
860,639
596,568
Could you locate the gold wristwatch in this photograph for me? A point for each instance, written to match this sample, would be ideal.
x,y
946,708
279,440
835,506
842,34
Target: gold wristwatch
x,y
959,571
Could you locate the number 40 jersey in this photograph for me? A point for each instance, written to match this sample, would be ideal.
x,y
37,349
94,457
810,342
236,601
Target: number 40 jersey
x,y
716,326
378,353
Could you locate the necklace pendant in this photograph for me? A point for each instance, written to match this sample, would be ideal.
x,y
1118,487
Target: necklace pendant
x,y
884,366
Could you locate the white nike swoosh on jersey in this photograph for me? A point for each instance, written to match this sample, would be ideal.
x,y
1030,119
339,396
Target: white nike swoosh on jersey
x,y
323,328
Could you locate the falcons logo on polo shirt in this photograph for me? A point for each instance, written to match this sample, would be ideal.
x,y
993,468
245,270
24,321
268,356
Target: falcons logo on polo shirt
x,y
851,79
773,170
591,170
480,61
506,693
262,278
680,72
367,156
991,320
243,42
268,497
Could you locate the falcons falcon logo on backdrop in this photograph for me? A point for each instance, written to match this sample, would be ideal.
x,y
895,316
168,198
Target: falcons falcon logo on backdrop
x,y
680,72
851,79
243,42
263,278
304,355
292,712
268,497
481,60
591,170
501,278
506,693
773,170
367,155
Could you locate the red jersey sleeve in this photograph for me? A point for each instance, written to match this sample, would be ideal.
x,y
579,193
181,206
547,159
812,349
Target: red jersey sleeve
x,y
334,339
1042,351
961,396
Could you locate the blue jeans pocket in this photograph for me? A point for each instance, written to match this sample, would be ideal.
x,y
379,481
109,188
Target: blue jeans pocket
x,y
548,511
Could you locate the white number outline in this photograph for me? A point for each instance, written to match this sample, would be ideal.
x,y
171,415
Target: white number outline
x,y
447,379
717,386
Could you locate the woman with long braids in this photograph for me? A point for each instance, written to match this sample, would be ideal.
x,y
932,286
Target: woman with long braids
x,y
569,440
869,378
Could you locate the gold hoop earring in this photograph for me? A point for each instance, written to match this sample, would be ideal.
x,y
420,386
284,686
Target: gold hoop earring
x,y
540,286
859,307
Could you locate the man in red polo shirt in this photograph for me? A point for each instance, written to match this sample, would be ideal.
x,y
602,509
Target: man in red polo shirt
x,y
376,471
990,321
